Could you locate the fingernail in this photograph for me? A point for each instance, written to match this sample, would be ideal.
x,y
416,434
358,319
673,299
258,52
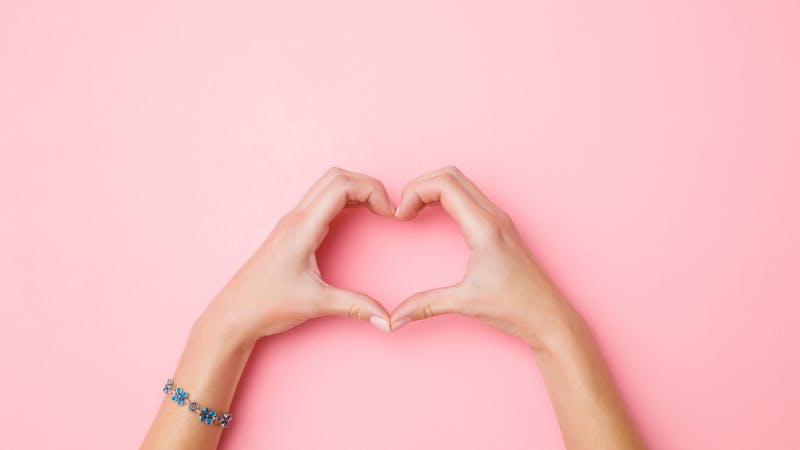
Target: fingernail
x,y
400,324
379,323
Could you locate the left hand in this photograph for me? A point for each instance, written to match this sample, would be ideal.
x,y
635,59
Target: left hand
x,y
280,286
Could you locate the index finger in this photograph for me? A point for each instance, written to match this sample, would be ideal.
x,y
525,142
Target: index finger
x,y
344,189
444,188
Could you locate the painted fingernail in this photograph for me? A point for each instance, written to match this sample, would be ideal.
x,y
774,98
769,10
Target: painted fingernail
x,y
379,323
400,324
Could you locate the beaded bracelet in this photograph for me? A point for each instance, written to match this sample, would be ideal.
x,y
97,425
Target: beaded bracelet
x,y
208,416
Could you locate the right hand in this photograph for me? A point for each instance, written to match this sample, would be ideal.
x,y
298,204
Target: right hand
x,y
503,285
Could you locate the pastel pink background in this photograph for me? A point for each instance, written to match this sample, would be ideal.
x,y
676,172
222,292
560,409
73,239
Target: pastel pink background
x,y
648,151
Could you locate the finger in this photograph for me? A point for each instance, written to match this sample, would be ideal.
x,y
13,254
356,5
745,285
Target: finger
x,y
423,305
454,198
469,186
347,188
354,305
477,194
318,186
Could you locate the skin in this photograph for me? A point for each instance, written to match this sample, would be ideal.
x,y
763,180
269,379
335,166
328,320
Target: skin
x,y
280,287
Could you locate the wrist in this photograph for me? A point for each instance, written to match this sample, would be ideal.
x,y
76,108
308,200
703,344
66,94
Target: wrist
x,y
227,334
571,330
554,329
212,362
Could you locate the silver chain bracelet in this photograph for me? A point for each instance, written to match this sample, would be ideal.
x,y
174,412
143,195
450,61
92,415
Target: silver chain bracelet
x,y
207,416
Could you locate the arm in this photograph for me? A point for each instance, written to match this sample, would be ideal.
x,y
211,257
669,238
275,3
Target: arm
x,y
505,287
277,289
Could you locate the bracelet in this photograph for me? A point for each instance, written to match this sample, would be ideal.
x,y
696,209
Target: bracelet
x,y
208,416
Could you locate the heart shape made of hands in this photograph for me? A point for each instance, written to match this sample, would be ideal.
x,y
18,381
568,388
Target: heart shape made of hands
x,y
498,284
281,285
390,259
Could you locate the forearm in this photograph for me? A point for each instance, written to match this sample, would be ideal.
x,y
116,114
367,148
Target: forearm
x,y
209,369
278,288
589,410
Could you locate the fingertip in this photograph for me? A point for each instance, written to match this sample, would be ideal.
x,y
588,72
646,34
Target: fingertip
x,y
381,207
400,323
405,310
373,308
391,210
403,212
381,204
380,324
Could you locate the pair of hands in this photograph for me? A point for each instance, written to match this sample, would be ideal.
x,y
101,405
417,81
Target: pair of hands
x,y
280,286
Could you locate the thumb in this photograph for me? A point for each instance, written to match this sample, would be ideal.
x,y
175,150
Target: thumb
x,y
355,305
425,304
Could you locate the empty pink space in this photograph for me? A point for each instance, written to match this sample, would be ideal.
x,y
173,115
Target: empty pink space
x,y
649,153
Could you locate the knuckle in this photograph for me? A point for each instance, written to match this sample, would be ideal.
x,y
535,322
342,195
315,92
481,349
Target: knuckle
x,y
353,311
451,169
409,190
375,184
488,228
505,219
333,170
426,311
368,185
341,180
448,179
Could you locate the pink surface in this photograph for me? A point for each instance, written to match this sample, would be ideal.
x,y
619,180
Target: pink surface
x,y
649,153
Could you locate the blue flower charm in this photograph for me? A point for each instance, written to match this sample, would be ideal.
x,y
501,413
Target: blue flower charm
x,y
207,415
180,396
224,420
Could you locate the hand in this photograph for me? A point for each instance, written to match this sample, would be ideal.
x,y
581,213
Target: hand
x,y
280,286
503,285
